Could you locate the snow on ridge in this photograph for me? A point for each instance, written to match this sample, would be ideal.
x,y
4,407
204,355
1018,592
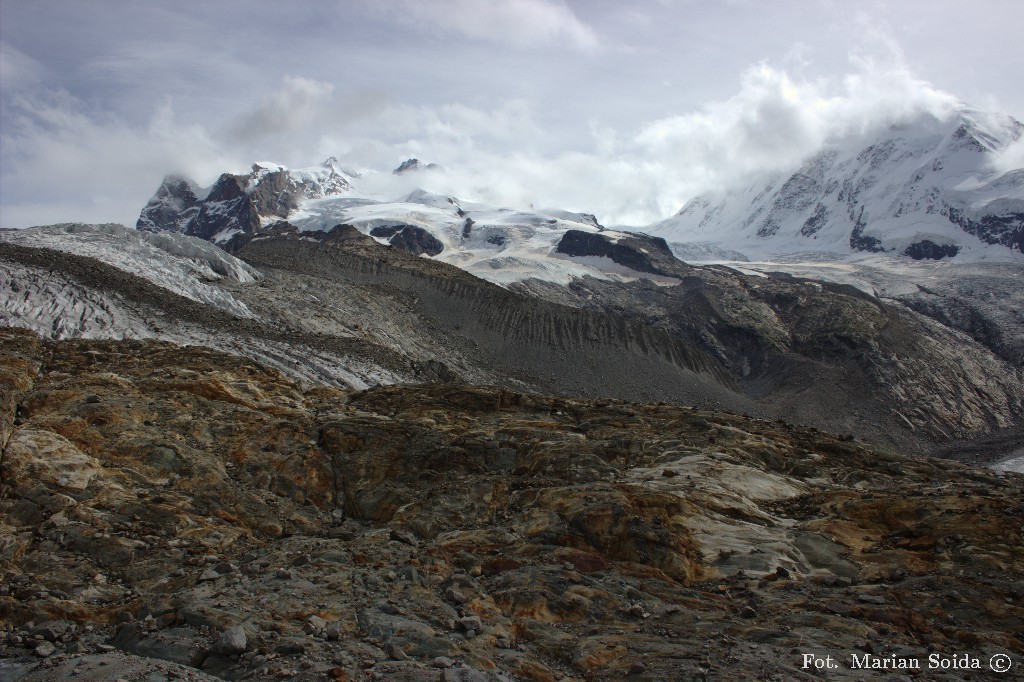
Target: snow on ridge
x,y
187,266
500,245
931,185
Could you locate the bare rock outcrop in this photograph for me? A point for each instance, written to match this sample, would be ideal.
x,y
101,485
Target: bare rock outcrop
x,y
181,512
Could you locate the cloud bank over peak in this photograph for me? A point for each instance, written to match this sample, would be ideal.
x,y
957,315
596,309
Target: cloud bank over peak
x,y
775,121
771,125
103,168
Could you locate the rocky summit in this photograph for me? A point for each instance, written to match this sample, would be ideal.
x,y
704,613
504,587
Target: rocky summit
x,y
175,512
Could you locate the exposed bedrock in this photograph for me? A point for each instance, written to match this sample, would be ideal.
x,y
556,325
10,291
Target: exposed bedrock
x,y
178,511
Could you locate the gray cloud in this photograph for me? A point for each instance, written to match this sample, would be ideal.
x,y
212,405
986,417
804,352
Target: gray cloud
x,y
520,23
18,68
61,163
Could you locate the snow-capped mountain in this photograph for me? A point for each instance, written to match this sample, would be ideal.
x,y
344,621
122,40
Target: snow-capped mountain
x,y
497,244
237,206
928,190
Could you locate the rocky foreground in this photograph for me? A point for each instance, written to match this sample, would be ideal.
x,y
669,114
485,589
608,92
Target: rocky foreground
x,y
179,513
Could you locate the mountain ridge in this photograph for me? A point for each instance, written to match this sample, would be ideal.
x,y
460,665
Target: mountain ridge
x,y
925,190
342,308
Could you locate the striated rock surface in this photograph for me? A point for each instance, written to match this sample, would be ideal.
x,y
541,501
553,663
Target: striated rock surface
x,y
831,355
179,512
339,308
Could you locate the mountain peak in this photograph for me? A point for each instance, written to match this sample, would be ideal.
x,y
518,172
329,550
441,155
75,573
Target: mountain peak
x,y
413,164
235,208
923,189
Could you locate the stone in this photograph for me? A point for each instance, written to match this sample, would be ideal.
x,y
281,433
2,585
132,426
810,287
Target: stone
x,y
455,596
208,575
469,623
290,647
52,630
464,674
45,650
405,537
232,641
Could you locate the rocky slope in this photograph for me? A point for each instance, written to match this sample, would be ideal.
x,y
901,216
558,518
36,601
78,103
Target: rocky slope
x,y
930,189
822,353
344,310
167,510
983,300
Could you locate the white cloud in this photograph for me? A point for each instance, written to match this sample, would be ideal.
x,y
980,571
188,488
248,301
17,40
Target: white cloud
x,y
775,122
1011,158
521,23
501,154
63,164
298,104
772,124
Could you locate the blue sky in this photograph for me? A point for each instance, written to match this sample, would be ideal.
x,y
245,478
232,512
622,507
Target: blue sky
x,y
625,109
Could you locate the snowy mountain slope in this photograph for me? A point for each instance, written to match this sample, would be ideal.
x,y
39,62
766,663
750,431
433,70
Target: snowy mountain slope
x,y
497,244
927,189
184,265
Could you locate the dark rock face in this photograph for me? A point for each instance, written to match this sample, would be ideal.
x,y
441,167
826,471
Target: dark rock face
x,y
927,249
1003,228
234,209
416,241
173,207
197,513
815,222
862,242
637,251
409,238
387,231
228,208
277,194
411,165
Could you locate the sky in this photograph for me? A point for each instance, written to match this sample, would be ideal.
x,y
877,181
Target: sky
x,y
622,109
